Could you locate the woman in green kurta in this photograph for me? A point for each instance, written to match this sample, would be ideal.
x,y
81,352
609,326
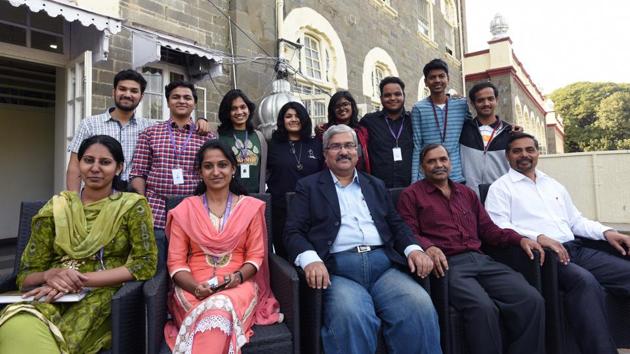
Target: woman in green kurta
x,y
99,240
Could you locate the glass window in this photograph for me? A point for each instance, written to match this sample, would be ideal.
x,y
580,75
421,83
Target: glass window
x,y
12,34
377,75
32,30
312,58
45,41
13,14
153,95
424,17
42,21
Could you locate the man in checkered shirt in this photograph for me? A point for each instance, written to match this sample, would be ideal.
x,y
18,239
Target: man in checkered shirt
x,y
119,122
165,153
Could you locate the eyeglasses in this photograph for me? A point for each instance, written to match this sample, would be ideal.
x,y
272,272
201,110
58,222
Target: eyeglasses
x,y
338,146
342,105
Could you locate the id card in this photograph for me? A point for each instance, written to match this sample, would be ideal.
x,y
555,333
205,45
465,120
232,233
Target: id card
x,y
178,176
244,171
397,154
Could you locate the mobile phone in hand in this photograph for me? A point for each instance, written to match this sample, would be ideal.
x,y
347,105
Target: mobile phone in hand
x,y
216,286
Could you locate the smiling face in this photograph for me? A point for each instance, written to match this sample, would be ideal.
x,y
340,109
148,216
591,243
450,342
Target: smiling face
x,y
343,111
181,102
485,102
239,113
98,167
216,170
292,122
393,97
127,95
341,153
436,165
523,155
436,81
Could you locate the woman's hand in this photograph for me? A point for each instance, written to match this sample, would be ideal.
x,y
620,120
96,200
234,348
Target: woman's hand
x,y
46,292
235,280
65,280
202,291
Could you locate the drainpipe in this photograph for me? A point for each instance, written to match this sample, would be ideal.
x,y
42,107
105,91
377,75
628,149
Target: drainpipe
x,y
279,23
462,44
232,50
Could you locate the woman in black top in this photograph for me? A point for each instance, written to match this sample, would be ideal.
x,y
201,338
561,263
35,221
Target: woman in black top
x,y
293,154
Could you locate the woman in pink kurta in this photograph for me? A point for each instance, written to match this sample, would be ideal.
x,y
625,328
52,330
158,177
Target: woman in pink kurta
x,y
217,233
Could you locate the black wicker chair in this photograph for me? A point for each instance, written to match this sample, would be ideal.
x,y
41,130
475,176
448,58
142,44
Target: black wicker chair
x,y
311,309
452,333
127,319
273,339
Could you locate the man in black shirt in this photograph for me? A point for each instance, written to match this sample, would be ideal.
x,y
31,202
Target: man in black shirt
x,y
390,144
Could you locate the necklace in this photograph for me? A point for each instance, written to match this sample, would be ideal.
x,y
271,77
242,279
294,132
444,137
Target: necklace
x,y
298,157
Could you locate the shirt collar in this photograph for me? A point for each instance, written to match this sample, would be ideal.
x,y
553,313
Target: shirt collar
x,y
188,125
432,188
516,176
107,116
494,125
355,178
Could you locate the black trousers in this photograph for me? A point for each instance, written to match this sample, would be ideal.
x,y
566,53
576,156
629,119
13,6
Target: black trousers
x,y
489,294
583,281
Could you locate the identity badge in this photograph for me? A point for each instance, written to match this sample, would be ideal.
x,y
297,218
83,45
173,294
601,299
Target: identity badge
x,y
178,176
244,171
397,154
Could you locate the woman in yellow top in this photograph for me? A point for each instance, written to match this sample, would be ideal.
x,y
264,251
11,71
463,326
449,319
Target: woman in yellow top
x,y
99,239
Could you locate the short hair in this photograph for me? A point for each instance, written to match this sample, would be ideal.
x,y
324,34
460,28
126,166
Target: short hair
x,y
180,83
337,129
133,75
435,64
391,80
225,108
480,86
425,150
354,118
519,135
281,133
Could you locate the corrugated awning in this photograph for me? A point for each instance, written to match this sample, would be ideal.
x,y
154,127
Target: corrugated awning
x,y
71,14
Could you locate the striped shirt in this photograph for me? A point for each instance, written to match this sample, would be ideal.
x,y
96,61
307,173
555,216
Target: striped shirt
x,y
156,158
105,124
426,131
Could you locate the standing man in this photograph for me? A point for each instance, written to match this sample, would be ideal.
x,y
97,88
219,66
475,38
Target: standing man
x,y
390,140
450,223
165,154
119,122
483,139
438,119
537,206
343,230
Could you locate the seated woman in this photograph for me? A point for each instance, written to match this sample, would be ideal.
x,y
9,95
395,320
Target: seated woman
x,y
97,239
293,154
217,236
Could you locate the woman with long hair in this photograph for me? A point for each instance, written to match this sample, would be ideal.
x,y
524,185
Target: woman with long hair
x,y
236,130
217,259
293,154
97,239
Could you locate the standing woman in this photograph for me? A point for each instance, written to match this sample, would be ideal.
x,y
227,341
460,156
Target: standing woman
x,y
249,145
218,236
342,109
98,238
293,154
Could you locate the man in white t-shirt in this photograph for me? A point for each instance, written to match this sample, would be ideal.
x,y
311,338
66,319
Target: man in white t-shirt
x,y
537,206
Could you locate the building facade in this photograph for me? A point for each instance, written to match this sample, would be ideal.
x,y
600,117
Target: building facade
x,y
58,59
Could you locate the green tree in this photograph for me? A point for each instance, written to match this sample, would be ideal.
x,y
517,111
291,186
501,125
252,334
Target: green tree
x,y
596,115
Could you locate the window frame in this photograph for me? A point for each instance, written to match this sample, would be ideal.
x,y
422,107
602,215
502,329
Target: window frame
x,y
429,26
29,29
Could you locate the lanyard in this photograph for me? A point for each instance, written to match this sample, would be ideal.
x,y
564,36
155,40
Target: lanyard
x,y
180,151
437,122
243,149
485,148
396,136
226,214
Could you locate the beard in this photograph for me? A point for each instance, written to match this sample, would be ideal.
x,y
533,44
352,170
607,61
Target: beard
x,y
130,108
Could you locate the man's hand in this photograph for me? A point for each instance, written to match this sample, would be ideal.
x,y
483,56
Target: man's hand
x,y
203,128
528,246
319,129
517,129
439,261
556,247
618,240
419,263
317,275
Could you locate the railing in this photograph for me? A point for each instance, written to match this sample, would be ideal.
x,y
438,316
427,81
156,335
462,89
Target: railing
x,y
599,182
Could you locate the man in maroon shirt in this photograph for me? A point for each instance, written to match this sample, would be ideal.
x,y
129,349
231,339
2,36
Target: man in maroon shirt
x,y
450,223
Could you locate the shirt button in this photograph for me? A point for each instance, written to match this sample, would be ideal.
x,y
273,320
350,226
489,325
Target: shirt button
x,y
336,223
329,243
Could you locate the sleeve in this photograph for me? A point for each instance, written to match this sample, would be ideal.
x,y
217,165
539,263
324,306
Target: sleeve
x,y
142,157
255,242
82,134
498,208
142,260
579,224
178,248
416,125
298,223
407,210
38,253
487,230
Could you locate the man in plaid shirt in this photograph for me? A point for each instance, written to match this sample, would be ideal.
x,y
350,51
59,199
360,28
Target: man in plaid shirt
x,y
165,153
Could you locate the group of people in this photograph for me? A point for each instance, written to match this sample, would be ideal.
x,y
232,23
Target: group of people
x,y
341,226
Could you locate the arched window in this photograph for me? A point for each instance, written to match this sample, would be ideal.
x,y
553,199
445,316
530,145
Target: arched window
x,y
423,90
518,112
377,65
312,60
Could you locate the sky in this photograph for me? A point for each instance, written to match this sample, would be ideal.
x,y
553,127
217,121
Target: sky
x,y
559,41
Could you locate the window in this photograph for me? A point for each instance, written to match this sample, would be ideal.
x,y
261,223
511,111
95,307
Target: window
x,y
312,58
423,90
315,100
450,14
377,75
449,37
19,26
425,18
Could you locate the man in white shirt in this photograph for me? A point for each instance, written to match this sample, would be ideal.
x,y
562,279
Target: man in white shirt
x,y
537,206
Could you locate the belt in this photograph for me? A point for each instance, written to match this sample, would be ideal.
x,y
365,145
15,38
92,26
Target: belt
x,y
363,248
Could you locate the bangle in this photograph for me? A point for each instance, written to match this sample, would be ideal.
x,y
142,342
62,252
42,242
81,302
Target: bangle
x,y
240,276
197,294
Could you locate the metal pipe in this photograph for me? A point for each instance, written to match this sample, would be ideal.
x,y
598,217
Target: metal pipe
x,y
232,52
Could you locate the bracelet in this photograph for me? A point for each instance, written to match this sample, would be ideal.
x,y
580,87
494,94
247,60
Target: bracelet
x,y
197,294
240,275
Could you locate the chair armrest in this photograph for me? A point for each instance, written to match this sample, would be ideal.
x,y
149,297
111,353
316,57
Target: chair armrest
x,y
285,286
439,295
7,283
518,260
311,306
155,292
128,319
556,336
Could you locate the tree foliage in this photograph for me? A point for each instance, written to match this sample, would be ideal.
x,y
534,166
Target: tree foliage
x,y
596,115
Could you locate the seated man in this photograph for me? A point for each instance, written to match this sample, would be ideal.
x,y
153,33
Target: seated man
x,y
450,223
537,206
342,222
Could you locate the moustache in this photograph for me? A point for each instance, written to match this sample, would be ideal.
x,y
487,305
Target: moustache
x,y
439,169
524,159
343,157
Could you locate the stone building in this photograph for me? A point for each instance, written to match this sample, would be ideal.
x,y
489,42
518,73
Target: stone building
x,y
58,59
